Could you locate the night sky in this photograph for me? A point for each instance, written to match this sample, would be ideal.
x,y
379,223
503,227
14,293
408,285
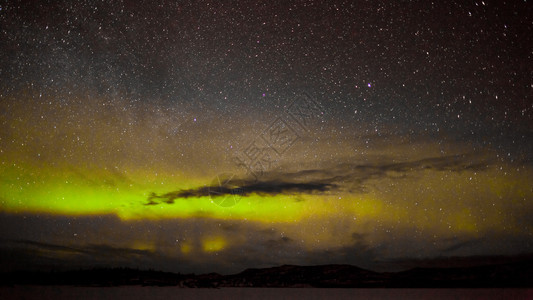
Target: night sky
x,y
200,136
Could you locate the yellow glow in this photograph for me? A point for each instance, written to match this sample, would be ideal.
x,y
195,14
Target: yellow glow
x,y
62,169
213,244
186,248
463,221
143,245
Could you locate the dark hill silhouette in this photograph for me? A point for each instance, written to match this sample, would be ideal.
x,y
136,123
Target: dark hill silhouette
x,y
513,274
290,275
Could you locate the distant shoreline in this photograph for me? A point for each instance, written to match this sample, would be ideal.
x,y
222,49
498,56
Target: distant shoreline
x,y
510,275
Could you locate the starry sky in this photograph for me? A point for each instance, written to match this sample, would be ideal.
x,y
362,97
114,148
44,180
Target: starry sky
x,y
199,136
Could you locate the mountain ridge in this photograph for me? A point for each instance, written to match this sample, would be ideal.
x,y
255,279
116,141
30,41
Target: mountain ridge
x,y
514,274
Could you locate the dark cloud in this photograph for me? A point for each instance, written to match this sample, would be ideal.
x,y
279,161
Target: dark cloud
x,y
96,250
45,246
26,254
382,167
457,244
348,176
271,188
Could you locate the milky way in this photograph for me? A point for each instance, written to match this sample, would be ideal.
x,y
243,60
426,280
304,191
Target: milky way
x,y
199,137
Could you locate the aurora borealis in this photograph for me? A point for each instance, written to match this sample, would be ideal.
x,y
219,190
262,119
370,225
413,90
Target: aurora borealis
x,y
367,133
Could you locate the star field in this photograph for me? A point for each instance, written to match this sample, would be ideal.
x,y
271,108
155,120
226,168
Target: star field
x,y
362,132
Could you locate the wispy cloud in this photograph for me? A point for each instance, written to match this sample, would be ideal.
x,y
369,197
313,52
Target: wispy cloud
x,y
346,176
27,254
273,187
96,250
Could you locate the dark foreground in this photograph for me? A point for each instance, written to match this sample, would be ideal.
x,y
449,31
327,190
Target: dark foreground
x,y
138,292
510,275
